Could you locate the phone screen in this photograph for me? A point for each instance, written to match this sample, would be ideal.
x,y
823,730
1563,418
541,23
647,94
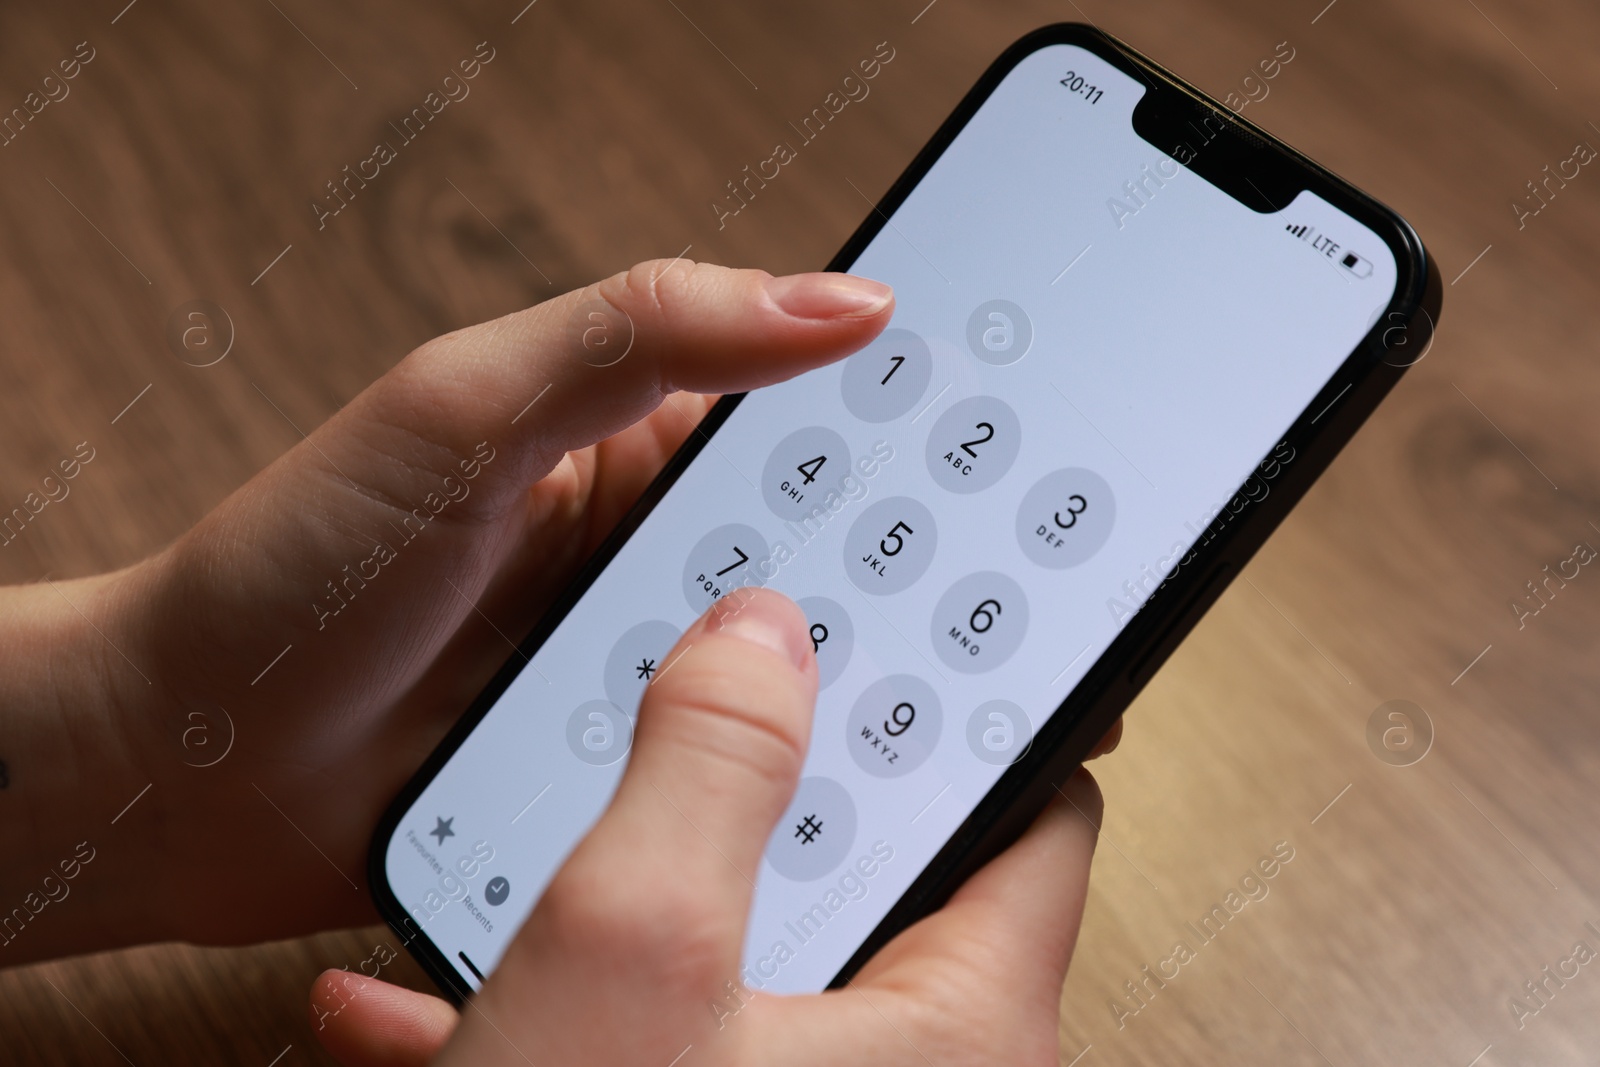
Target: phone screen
x,y
1093,349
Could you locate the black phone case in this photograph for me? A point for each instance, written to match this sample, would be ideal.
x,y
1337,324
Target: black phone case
x,y
1256,169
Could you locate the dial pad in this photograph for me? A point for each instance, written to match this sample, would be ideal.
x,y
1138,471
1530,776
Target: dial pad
x,y
973,444
635,660
816,832
823,510
833,637
890,546
725,559
885,380
894,726
1066,518
801,472
979,622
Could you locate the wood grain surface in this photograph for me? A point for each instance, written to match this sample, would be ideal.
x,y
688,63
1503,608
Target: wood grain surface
x,y
1419,899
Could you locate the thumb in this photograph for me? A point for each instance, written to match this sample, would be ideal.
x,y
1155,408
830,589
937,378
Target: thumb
x,y
722,735
646,920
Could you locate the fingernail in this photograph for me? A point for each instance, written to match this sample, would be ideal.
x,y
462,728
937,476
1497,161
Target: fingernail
x,y
765,619
829,296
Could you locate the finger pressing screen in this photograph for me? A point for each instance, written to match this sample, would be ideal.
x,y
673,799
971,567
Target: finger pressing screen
x,y
645,921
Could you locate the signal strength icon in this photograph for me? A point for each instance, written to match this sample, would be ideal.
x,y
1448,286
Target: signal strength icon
x,y
1298,231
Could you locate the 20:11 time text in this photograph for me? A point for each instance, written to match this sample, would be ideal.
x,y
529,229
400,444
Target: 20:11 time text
x,y
1075,82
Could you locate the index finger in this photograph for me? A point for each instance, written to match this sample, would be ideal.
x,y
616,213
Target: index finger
x,y
584,365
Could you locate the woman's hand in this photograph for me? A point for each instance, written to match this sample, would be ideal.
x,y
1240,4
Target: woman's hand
x,y
277,674
633,954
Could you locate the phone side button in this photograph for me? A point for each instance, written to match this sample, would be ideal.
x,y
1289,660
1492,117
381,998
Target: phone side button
x,y
1156,653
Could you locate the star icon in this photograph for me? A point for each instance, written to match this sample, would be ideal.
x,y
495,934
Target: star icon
x,y
442,830
646,668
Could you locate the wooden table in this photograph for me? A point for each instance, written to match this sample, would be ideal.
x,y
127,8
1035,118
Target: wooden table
x,y
1419,899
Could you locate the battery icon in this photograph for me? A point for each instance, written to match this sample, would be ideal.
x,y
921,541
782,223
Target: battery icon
x,y
1357,265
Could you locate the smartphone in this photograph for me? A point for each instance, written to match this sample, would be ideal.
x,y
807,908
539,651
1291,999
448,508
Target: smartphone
x,y
1131,330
